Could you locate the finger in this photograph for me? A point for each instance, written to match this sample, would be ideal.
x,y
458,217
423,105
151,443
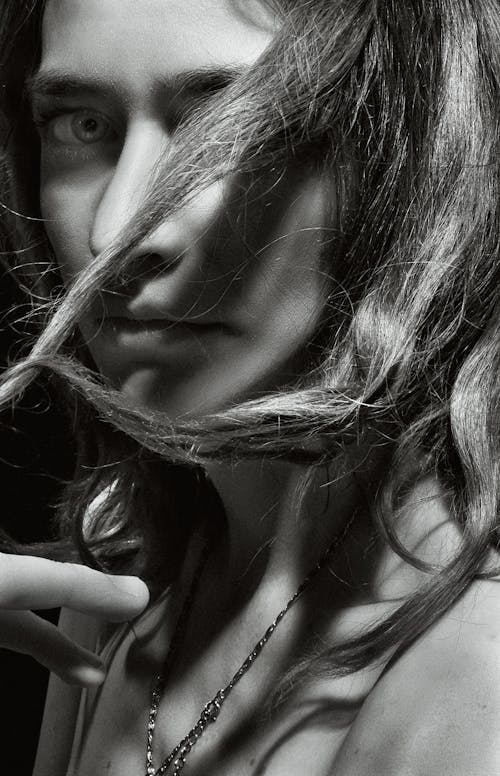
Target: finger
x,y
31,635
37,583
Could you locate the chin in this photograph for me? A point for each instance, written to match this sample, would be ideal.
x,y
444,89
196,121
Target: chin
x,y
163,393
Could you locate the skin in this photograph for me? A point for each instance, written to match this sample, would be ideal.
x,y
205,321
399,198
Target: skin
x,y
253,291
36,583
88,192
87,196
258,286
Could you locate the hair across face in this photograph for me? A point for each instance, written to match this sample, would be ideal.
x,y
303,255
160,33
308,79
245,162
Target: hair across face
x,y
397,104
223,294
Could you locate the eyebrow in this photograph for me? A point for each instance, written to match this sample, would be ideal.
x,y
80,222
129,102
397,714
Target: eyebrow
x,y
199,82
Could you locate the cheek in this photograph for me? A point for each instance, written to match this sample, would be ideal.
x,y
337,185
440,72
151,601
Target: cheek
x,y
67,208
287,285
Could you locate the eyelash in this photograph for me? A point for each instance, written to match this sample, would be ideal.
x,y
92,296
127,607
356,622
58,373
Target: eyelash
x,y
44,116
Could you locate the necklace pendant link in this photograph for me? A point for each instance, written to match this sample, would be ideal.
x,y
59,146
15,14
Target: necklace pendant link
x,y
179,765
211,712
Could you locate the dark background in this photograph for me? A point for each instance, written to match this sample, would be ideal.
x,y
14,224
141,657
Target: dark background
x,y
35,455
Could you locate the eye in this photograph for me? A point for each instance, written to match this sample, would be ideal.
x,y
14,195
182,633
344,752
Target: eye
x,y
79,128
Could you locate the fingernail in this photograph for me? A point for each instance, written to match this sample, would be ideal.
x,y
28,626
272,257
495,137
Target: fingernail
x,y
89,676
135,588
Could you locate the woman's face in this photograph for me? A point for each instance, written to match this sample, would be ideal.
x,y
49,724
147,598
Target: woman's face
x,y
227,291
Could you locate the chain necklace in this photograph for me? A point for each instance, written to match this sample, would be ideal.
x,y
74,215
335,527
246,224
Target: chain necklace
x,y
210,713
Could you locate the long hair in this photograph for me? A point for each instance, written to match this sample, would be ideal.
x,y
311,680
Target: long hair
x,y
397,103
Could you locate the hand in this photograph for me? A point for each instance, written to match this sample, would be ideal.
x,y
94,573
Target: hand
x,y
36,583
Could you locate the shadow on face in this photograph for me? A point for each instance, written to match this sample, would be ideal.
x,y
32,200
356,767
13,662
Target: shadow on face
x,y
229,289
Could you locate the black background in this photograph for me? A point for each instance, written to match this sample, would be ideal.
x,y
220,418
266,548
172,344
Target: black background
x,y
35,454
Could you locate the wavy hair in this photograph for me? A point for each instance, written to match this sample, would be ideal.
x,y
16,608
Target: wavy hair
x,y
401,97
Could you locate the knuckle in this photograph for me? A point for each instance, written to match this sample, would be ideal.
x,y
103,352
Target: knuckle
x,y
72,580
80,581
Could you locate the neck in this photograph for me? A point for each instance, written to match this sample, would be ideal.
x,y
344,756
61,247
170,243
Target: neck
x,y
280,518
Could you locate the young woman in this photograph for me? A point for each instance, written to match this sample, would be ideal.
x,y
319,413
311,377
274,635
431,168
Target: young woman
x,y
260,242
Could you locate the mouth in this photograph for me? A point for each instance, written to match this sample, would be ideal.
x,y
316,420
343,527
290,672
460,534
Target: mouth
x,y
136,325
127,329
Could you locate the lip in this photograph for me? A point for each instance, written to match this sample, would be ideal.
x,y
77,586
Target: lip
x,y
152,333
132,325
114,309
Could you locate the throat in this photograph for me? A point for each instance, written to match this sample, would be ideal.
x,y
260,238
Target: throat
x,y
279,520
279,525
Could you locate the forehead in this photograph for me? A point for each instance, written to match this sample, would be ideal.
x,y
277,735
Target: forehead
x,y
137,38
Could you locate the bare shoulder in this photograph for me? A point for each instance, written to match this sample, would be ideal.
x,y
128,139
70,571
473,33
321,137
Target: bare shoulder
x,y
436,710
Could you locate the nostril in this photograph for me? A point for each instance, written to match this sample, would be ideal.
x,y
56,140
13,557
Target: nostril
x,y
142,269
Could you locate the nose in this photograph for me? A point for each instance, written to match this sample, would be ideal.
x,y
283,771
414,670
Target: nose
x,y
125,185
124,190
